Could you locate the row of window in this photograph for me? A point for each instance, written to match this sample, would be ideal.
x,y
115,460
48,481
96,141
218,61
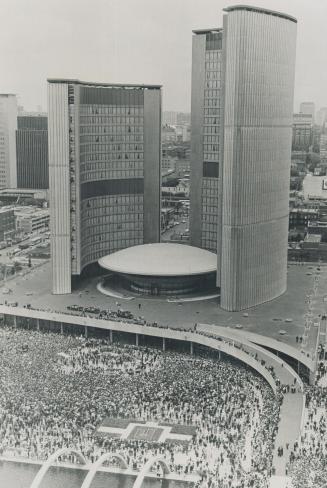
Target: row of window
x,y
213,55
212,66
107,221
112,165
109,200
215,111
208,183
209,138
104,156
211,156
112,231
111,175
212,93
117,120
213,83
211,148
119,137
111,109
208,228
210,218
112,129
112,147
212,102
109,156
213,75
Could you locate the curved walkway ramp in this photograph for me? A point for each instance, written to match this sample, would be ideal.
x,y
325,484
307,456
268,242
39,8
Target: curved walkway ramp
x,y
292,408
147,467
108,456
36,483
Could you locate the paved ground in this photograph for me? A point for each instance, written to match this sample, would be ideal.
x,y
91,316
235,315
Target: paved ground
x,y
289,429
177,229
267,319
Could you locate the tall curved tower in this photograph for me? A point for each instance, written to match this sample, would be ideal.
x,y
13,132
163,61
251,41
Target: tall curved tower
x,y
259,66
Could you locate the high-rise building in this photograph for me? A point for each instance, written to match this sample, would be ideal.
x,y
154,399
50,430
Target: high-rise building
x,y
104,170
321,117
302,132
206,137
323,146
242,104
169,118
308,108
8,126
32,152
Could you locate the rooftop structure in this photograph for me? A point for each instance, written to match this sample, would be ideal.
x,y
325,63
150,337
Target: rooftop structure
x,y
161,269
163,259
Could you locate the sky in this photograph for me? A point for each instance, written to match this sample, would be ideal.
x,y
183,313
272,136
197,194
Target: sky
x,y
136,41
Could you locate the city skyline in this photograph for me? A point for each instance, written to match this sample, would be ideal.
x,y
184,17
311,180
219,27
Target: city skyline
x,y
110,43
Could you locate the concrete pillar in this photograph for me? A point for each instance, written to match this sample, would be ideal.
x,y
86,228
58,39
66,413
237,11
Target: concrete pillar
x,y
191,348
111,339
15,321
312,377
61,328
164,344
136,339
38,324
85,332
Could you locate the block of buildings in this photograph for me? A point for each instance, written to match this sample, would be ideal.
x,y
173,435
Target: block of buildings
x,y
8,126
31,219
7,223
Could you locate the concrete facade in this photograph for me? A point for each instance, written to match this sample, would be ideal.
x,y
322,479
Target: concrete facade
x,y
109,169
8,126
259,86
253,107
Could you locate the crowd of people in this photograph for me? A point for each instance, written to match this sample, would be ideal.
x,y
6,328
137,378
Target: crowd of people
x,y
308,459
56,391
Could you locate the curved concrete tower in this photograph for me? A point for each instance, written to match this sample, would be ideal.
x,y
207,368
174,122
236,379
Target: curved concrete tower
x,y
259,64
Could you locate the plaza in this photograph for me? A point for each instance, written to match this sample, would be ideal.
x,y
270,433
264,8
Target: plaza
x,y
295,313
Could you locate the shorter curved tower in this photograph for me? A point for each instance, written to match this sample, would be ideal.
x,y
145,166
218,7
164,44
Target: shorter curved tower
x,y
104,172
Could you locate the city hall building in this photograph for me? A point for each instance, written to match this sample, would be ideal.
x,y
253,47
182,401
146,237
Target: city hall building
x,y
104,172
242,110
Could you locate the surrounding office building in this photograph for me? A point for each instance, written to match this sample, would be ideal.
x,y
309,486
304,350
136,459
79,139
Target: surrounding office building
x,y
323,146
308,108
183,118
8,126
32,152
242,101
176,118
7,223
302,132
321,116
169,118
169,133
104,169
32,219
